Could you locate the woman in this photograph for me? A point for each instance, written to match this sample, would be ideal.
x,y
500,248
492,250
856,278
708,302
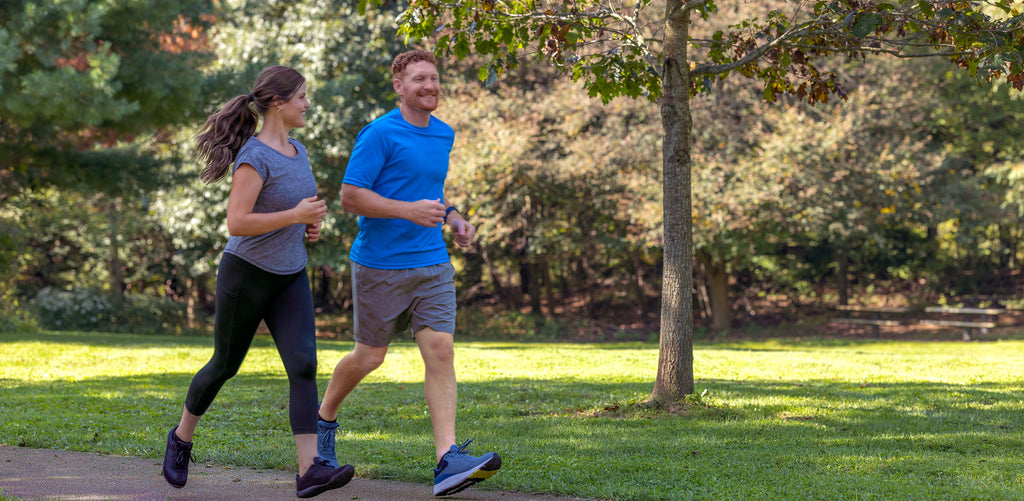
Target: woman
x,y
272,204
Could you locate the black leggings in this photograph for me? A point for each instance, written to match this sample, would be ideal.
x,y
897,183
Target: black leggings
x,y
245,296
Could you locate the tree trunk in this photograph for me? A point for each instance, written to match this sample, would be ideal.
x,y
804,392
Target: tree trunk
x,y
532,277
492,270
549,292
637,288
114,264
190,303
700,287
675,359
843,275
718,283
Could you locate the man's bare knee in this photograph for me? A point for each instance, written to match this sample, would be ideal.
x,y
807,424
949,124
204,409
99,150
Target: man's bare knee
x,y
367,358
436,347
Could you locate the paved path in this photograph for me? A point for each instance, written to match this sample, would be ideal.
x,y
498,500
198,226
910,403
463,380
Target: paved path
x,y
43,474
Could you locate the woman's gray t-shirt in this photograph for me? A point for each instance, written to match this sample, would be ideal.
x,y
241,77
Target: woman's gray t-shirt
x,y
286,181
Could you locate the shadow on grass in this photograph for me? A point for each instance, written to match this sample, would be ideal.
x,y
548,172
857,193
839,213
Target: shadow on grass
x,y
752,439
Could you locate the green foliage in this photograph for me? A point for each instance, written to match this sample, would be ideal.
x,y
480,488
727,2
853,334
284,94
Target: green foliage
x,y
553,179
79,77
15,316
917,176
618,49
92,310
81,309
486,324
346,59
778,419
614,50
90,241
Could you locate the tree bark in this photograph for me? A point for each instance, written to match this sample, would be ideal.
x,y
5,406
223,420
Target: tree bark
x,y
843,275
549,293
675,360
114,264
532,278
718,283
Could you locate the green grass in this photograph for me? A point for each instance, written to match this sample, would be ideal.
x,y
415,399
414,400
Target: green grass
x,y
778,419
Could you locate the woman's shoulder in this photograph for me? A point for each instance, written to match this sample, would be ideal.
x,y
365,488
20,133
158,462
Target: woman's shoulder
x,y
250,145
297,144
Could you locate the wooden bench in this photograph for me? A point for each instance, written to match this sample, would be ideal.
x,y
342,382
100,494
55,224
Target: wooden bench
x,y
967,319
875,316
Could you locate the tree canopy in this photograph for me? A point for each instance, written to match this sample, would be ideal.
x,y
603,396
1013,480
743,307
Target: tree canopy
x,y
79,80
626,49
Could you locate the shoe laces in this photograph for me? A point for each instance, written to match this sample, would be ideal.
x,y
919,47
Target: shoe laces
x,y
326,440
462,450
184,456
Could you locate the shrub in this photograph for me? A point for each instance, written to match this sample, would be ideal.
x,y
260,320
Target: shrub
x,y
91,310
78,309
146,314
13,318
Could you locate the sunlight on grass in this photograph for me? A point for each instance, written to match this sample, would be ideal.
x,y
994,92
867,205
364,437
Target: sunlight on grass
x,y
826,419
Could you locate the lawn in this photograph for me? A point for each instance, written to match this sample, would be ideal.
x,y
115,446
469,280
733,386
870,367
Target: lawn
x,y
775,419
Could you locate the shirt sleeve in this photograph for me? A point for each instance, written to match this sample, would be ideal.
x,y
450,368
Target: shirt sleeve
x,y
251,157
368,157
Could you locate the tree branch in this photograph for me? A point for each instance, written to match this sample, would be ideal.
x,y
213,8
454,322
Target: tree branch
x,y
691,6
715,69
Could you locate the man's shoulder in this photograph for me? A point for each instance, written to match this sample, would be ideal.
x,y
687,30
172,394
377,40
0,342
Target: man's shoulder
x,y
380,129
384,121
441,124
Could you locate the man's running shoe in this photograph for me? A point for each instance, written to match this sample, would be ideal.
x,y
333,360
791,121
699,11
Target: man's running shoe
x,y
457,469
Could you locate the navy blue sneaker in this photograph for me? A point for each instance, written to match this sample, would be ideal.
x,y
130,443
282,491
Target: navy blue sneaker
x,y
325,441
457,469
322,477
176,458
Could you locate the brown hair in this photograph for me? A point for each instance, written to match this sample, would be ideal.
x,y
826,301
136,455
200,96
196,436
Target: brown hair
x,y
229,128
404,59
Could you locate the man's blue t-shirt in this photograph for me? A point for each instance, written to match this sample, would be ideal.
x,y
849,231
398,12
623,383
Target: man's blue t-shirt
x,y
400,161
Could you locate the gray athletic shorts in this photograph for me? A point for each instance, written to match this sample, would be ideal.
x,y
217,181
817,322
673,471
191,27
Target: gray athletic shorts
x,y
388,302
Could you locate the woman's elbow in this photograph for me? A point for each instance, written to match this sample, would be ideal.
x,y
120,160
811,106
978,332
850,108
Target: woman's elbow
x,y
235,228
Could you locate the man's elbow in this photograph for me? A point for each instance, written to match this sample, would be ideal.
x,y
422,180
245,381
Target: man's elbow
x,y
348,199
347,205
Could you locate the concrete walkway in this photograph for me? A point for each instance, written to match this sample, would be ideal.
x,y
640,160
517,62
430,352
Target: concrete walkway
x,y
43,474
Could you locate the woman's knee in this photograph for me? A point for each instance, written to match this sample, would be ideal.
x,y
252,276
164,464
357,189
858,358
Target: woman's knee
x,y
302,366
218,371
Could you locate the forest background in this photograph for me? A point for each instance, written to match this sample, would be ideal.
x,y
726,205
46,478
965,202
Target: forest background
x,y
908,193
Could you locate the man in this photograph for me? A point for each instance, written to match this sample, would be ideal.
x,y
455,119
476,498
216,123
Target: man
x,y
402,276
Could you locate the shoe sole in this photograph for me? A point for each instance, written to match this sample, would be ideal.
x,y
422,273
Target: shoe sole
x,y
339,480
458,483
168,479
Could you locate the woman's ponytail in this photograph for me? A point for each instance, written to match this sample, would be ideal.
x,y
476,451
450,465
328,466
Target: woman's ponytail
x,y
224,132
223,135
